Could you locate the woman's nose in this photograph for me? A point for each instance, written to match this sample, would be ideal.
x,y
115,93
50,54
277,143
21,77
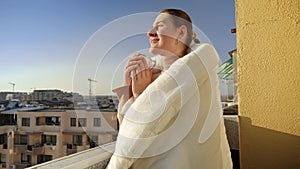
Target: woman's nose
x,y
152,32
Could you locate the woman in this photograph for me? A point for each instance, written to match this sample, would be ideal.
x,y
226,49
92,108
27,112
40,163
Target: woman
x,y
169,44
166,110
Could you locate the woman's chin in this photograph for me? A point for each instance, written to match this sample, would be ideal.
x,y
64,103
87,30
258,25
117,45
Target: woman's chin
x,y
155,51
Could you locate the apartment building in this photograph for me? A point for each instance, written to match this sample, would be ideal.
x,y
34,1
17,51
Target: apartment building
x,y
44,135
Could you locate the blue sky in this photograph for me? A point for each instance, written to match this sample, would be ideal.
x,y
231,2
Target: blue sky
x,y
40,40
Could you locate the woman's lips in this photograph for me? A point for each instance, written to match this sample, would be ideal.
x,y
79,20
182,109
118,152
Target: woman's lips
x,y
154,40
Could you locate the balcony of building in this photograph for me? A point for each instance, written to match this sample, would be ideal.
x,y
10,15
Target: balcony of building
x,y
74,148
35,149
21,165
98,157
71,149
49,148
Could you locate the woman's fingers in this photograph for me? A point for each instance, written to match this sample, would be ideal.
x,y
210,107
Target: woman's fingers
x,y
133,62
129,73
136,68
137,59
141,81
145,74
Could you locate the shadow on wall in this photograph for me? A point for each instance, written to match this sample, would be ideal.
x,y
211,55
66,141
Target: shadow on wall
x,y
265,148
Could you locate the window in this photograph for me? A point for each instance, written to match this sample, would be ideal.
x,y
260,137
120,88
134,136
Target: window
x,y
43,158
24,139
82,122
73,122
77,140
97,122
3,138
3,159
25,121
21,139
25,158
49,139
53,121
37,121
40,121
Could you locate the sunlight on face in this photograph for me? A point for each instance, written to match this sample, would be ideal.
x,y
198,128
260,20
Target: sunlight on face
x,y
163,35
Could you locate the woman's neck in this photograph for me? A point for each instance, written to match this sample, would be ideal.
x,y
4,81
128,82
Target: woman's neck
x,y
168,61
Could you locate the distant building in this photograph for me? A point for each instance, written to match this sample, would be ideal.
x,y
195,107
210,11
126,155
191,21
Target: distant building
x,y
57,103
13,95
42,135
46,95
42,95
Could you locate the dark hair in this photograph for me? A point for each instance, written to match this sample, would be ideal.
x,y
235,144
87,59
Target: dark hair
x,y
179,18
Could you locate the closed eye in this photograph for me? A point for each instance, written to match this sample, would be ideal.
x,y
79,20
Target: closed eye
x,y
158,25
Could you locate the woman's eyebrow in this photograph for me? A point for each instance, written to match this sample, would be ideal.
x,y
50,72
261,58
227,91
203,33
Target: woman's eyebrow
x,y
158,22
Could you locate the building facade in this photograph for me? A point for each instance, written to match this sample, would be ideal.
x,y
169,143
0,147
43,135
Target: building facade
x,y
44,135
46,95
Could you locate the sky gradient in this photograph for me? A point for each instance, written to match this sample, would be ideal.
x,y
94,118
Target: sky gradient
x,y
40,41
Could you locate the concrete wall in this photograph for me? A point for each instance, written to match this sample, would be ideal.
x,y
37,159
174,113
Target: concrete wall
x,y
268,45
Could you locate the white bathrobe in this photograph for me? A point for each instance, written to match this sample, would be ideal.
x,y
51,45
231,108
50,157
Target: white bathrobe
x,y
176,123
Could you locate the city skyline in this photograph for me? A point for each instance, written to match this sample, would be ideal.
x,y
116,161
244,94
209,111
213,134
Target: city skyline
x,y
41,41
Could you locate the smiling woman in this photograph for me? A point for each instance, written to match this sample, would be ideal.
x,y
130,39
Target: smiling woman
x,y
172,118
169,26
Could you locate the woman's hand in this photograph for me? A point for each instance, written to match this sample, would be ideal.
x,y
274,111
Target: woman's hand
x,y
141,81
135,64
137,74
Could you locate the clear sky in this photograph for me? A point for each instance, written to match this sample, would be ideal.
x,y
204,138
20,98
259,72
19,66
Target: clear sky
x,y
40,40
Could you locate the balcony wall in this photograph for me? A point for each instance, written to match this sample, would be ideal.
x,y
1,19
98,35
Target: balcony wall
x,y
268,50
21,165
96,158
50,149
36,150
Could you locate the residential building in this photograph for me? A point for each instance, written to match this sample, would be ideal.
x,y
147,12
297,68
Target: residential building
x,y
13,95
43,135
46,95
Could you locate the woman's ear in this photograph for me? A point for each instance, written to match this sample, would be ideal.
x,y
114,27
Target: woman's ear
x,y
182,33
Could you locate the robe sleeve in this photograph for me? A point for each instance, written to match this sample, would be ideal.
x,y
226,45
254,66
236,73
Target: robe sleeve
x,y
124,94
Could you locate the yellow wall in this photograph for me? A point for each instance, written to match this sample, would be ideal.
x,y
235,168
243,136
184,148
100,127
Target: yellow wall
x,y
268,45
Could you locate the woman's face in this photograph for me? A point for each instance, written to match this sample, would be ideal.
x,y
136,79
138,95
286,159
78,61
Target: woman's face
x,y
163,36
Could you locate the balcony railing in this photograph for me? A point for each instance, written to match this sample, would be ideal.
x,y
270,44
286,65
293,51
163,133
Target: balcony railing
x,y
74,148
35,149
96,158
49,149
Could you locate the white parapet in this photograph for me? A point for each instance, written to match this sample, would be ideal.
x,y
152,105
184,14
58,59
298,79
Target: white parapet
x,y
97,157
